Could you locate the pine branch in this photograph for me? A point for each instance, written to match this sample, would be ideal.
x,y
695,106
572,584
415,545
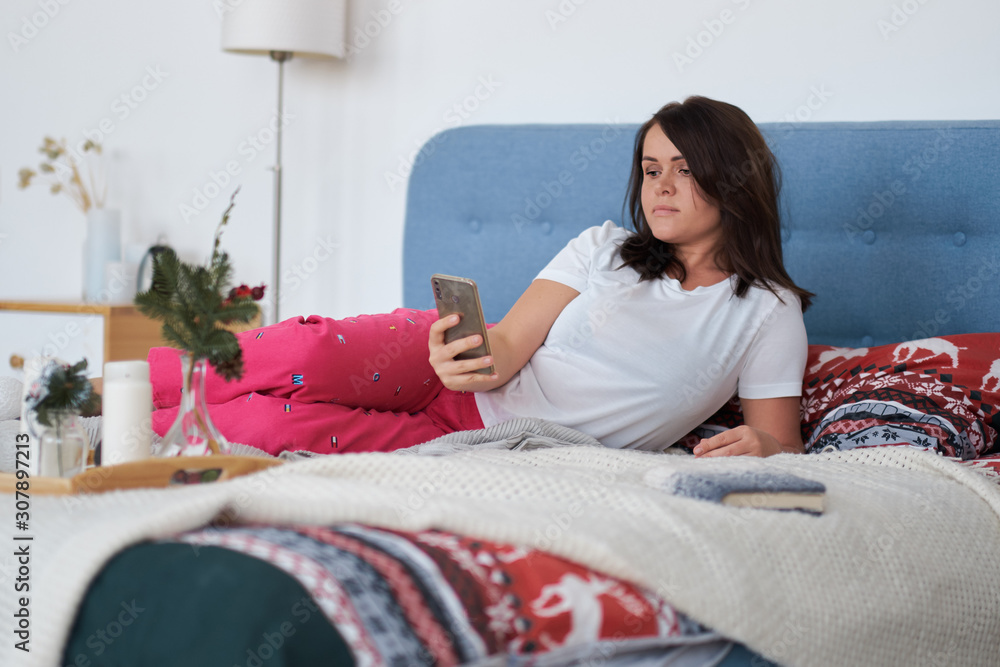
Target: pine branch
x,y
243,310
222,224
189,300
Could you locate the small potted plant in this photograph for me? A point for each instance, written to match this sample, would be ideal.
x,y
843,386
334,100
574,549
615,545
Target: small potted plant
x,y
56,400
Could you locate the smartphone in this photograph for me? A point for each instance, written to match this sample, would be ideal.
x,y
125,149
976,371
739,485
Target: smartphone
x,y
460,295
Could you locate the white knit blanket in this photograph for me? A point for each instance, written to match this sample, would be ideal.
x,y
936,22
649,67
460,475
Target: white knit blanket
x,y
902,569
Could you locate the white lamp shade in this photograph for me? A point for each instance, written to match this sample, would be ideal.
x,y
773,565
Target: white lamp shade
x,y
311,28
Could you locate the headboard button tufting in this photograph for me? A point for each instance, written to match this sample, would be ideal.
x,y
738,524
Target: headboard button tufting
x,y
866,341
475,226
546,228
868,237
959,238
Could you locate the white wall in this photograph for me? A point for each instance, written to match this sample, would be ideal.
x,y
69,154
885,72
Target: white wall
x,y
356,124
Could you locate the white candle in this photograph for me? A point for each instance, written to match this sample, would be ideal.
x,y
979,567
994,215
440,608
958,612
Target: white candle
x,y
127,406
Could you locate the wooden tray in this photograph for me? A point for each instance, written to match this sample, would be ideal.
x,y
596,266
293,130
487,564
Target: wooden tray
x,y
149,473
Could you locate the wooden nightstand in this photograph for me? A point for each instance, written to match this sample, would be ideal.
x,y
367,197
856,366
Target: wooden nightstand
x,y
71,331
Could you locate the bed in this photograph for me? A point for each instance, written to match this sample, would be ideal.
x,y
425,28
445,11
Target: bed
x,y
534,545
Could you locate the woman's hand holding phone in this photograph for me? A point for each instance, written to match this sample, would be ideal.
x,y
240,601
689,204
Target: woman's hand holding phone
x,y
458,374
508,346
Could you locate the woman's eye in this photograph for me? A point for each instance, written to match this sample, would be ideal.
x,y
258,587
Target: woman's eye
x,y
686,172
652,172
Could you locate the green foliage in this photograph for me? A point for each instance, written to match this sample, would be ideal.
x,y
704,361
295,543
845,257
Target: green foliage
x,y
66,389
191,302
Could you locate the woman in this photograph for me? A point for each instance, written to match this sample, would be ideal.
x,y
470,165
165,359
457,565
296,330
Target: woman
x,y
633,338
699,288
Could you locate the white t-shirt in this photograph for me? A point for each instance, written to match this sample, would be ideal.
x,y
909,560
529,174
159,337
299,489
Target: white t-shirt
x,y
640,364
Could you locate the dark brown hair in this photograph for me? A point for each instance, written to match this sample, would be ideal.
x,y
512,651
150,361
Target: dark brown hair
x,y
733,167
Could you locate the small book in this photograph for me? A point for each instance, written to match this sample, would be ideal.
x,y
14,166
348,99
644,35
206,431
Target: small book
x,y
760,490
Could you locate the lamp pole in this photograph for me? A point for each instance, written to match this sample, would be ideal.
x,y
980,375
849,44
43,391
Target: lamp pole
x,y
280,57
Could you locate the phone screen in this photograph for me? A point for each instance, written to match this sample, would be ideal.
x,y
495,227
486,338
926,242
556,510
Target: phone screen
x,y
460,295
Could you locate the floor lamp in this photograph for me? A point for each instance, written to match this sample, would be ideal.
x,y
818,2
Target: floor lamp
x,y
281,29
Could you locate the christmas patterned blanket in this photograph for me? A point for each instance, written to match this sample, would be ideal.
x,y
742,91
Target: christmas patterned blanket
x,y
904,540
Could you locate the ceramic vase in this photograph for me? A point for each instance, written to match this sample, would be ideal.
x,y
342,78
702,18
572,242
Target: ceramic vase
x,y
102,245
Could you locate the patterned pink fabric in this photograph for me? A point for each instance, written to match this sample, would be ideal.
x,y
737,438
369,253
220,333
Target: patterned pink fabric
x,y
358,384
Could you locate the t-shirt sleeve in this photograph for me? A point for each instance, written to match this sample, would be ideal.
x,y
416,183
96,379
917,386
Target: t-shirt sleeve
x,y
572,265
776,361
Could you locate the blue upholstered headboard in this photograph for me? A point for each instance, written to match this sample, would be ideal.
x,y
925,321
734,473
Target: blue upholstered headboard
x,y
894,225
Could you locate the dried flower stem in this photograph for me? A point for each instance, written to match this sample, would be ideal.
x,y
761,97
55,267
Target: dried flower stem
x,y
64,170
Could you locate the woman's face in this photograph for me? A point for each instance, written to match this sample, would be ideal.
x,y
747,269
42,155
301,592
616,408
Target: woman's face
x,y
675,209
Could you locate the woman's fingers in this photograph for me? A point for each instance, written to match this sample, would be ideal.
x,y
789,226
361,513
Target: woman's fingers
x,y
438,327
455,373
739,441
455,347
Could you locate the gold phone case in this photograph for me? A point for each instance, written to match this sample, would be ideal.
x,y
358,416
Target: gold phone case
x,y
460,295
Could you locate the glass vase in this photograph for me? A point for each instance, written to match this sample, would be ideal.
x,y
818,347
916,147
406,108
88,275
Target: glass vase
x,y
63,446
193,433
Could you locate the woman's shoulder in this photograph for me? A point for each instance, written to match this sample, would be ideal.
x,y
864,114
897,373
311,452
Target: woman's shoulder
x,y
596,240
608,232
774,296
